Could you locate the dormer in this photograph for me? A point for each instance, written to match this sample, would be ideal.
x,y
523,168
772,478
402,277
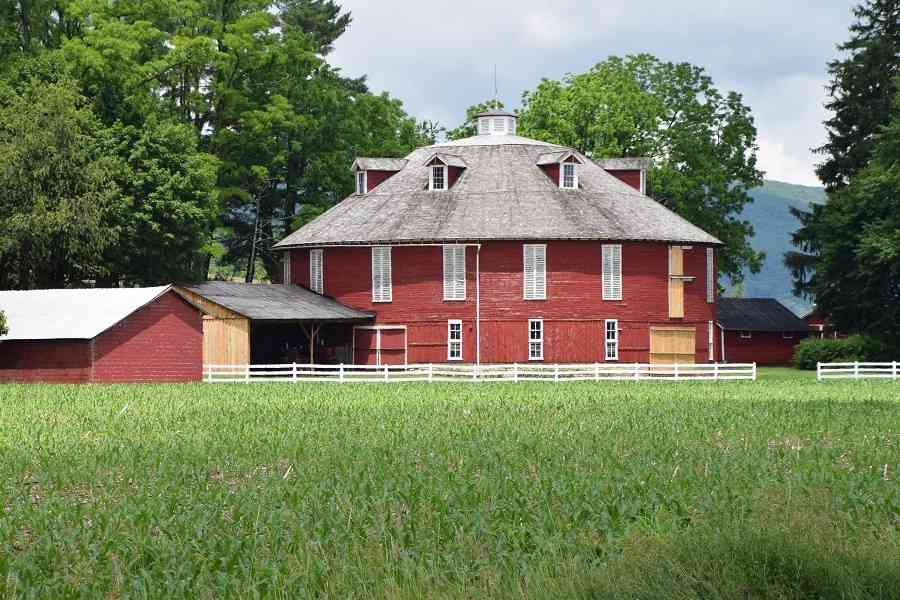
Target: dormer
x,y
443,171
369,172
561,167
632,171
496,122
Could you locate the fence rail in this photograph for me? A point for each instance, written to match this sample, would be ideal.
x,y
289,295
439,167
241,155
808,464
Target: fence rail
x,y
858,370
294,372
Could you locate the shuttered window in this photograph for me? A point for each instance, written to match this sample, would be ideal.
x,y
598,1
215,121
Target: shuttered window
x,y
381,274
535,339
612,271
535,271
454,340
454,272
286,263
316,270
612,339
710,275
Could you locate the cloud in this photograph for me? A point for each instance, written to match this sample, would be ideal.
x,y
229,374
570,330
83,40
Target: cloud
x,y
439,57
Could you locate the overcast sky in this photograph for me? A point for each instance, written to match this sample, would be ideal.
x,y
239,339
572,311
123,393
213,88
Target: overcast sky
x,y
438,56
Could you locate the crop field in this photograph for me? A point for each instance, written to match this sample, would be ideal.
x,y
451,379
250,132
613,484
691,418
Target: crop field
x,y
781,488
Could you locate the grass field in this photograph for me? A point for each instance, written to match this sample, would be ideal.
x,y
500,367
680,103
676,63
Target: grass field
x,y
783,488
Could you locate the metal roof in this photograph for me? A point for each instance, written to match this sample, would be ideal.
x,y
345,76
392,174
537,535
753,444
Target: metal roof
x,y
502,195
757,314
624,164
275,302
71,314
378,164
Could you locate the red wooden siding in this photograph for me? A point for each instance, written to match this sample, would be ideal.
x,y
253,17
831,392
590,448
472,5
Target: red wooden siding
x,y
373,178
573,313
453,173
162,341
62,361
631,177
763,347
552,172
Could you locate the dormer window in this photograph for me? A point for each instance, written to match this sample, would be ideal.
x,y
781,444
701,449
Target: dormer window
x,y
569,176
361,182
438,178
372,172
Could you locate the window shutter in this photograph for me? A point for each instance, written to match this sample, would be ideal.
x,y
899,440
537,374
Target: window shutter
x,y
710,275
612,271
535,271
454,272
286,262
381,274
316,269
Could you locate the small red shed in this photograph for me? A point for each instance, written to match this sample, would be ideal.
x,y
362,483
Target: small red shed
x,y
100,335
760,330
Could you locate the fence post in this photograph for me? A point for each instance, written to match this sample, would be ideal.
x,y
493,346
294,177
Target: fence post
x,y
555,372
715,371
818,371
676,370
247,375
596,371
637,371
385,372
856,370
341,373
515,372
894,370
294,371
754,371
430,372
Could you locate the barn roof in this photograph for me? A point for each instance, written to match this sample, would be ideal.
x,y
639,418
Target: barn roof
x,y
757,314
274,302
71,314
502,195
624,164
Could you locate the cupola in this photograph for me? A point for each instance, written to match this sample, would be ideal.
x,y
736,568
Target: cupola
x,y
496,122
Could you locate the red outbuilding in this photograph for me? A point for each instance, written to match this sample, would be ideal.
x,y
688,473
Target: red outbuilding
x,y
100,335
498,249
760,330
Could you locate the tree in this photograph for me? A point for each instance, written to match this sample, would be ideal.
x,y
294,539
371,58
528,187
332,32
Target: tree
x,y
56,190
855,238
4,328
862,88
702,143
469,127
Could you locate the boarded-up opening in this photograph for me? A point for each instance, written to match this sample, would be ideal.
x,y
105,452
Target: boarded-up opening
x,y
676,282
670,345
226,341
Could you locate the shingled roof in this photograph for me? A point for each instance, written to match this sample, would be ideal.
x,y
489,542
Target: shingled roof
x,y
502,195
624,164
757,314
272,302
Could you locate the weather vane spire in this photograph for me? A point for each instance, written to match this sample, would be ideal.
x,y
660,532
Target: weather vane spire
x,y
496,89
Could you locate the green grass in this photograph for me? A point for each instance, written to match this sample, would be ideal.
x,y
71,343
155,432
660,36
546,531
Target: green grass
x,y
783,488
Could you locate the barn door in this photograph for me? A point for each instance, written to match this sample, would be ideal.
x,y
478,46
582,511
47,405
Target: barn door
x,y
383,345
670,345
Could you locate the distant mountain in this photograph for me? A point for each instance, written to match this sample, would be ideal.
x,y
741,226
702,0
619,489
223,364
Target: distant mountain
x,y
772,219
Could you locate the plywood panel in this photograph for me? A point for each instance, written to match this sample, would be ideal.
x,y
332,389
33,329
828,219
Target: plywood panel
x,y
672,345
676,285
226,341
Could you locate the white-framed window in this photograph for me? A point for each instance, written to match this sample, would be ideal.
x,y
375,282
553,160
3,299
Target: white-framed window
x,y
381,274
438,180
454,340
362,182
746,335
787,335
612,339
286,265
317,270
568,176
711,341
454,272
611,258
535,339
535,271
710,275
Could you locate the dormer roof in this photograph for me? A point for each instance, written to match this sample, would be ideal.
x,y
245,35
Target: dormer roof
x,y
451,160
378,164
551,158
624,164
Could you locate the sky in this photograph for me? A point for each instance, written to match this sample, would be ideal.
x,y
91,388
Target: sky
x,y
438,57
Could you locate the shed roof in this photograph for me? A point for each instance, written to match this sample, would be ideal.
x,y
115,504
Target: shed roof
x,y
275,302
71,314
502,195
378,164
757,314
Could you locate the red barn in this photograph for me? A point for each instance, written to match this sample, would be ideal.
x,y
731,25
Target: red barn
x,y
758,330
100,335
499,249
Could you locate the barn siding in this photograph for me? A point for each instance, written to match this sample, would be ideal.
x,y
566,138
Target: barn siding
x,y
764,347
631,176
60,361
574,311
161,342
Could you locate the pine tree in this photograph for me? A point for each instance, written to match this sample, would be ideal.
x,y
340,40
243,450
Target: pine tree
x,y
862,89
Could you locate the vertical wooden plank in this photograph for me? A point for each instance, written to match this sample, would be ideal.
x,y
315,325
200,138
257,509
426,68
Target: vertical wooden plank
x,y
676,285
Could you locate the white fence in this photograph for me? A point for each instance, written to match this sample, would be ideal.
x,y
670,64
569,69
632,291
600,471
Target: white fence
x,y
447,372
858,370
